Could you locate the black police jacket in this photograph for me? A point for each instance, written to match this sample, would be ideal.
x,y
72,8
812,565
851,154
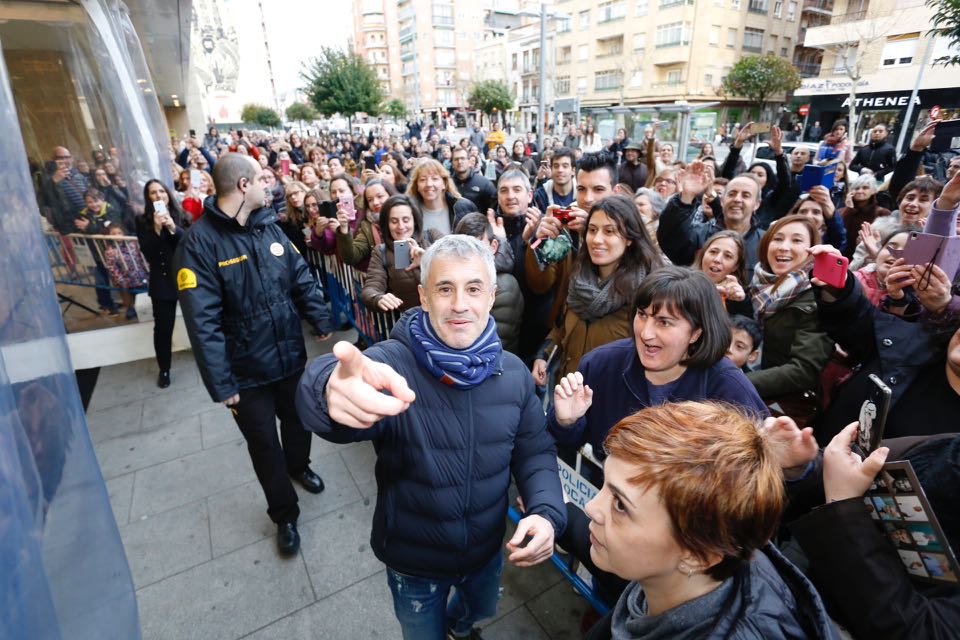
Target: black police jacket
x,y
241,288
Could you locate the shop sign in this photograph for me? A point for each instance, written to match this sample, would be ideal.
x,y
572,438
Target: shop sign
x,y
880,101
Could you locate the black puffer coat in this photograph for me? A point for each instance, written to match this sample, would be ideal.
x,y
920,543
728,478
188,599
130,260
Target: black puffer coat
x,y
241,288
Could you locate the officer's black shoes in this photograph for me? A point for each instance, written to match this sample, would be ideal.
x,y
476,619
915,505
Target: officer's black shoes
x,y
163,380
288,540
474,635
311,481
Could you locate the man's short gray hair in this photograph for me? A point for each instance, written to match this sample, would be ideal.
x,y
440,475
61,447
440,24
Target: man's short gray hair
x,y
514,174
457,246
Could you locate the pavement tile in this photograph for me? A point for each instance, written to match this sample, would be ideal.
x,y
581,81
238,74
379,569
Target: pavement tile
x,y
227,597
198,475
120,490
361,461
115,421
519,624
336,548
238,516
218,427
169,405
363,610
164,544
124,454
559,610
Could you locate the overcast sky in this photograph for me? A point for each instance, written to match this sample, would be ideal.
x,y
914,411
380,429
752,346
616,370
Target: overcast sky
x,y
297,30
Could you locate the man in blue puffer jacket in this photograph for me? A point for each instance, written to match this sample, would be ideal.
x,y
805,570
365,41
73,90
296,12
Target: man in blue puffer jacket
x,y
461,416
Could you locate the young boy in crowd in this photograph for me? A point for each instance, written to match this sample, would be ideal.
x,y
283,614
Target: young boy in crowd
x,y
745,342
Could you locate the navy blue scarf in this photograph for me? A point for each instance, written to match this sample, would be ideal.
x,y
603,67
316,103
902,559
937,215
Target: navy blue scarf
x,y
458,368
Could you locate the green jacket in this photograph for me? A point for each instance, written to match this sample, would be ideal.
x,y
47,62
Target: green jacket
x,y
795,350
355,249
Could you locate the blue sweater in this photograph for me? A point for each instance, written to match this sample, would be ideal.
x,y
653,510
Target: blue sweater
x,y
444,465
616,375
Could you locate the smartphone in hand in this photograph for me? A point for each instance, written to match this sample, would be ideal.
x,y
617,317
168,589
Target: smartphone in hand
x,y
346,203
195,177
873,415
401,254
285,167
831,268
159,208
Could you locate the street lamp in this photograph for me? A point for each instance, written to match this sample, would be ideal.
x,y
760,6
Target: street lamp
x,y
542,105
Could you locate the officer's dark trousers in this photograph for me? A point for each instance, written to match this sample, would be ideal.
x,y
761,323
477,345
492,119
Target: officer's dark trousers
x,y
256,415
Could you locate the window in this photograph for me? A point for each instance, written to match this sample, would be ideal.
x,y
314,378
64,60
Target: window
x,y
731,38
637,79
757,6
666,4
752,39
708,79
899,50
783,52
444,58
942,49
442,14
443,38
714,35
513,62
772,45
672,35
566,55
611,11
607,80
777,8
735,4
584,19
639,42
842,62
791,11
563,25
673,77
526,61
583,52
563,85
642,7
582,84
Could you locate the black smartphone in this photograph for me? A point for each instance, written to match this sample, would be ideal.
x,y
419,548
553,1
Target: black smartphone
x,y
328,209
370,162
947,136
193,133
873,415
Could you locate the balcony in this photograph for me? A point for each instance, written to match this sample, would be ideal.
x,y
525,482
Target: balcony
x,y
407,33
852,16
808,69
758,6
821,7
443,22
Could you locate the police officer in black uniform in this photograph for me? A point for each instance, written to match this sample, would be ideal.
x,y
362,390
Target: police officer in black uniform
x,y
241,285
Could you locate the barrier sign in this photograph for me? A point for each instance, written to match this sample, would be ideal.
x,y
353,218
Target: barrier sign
x,y
575,487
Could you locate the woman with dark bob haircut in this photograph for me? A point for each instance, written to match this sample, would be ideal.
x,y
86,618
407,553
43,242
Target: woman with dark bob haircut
x,y
693,494
681,334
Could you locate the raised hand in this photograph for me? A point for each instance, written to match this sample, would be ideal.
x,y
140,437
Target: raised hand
x,y
532,220
870,239
933,288
776,140
821,195
742,135
793,447
924,138
571,399
845,474
416,253
353,392
899,277
497,224
694,180
950,196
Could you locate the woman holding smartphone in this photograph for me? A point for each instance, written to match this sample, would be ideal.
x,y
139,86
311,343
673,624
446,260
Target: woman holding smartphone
x,y
394,271
355,248
159,231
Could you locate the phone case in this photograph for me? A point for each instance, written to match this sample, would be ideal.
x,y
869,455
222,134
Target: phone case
x,y
831,269
943,251
401,254
873,415
348,208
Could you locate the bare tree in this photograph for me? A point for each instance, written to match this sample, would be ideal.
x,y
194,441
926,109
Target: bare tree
x,y
859,33
631,64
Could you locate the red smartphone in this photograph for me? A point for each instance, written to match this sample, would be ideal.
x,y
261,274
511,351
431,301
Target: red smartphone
x,y
831,268
563,215
285,167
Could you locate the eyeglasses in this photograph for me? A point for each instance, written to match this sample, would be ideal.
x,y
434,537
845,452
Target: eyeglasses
x,y
664,181
62,157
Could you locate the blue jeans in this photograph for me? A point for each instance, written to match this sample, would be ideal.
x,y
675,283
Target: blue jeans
x,y
421,603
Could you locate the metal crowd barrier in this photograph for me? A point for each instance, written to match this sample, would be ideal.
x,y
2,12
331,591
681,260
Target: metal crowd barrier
x,y
342,284
112,263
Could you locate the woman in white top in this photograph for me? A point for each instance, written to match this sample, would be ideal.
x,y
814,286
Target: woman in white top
x,y
590,142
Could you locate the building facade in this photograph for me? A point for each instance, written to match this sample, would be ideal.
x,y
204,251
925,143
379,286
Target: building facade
x,y
887,41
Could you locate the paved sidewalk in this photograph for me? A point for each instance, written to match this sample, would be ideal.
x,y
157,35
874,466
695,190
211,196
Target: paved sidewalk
x,y
202,550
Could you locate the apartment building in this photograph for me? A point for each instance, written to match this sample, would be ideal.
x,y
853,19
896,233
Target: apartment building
x,y
423,50
622,58
888,38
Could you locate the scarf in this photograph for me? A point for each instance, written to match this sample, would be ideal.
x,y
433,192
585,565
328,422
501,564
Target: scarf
x,y
457,368
591,299
692,619
767,300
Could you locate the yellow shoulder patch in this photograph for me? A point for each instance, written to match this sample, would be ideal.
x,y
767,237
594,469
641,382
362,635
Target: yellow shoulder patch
x,y
186,279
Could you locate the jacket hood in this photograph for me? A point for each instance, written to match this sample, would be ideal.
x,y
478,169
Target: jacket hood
x,y
776,599
259,218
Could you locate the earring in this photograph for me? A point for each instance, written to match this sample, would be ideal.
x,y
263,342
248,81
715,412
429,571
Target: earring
x,y
684,569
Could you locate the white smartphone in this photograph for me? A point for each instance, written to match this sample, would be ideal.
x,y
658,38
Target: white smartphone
x,y
195,177
159,208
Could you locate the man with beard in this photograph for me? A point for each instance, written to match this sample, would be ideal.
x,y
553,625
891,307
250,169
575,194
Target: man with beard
x,y
241,283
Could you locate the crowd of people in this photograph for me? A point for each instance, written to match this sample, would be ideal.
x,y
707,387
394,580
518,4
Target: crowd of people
x,y
592,292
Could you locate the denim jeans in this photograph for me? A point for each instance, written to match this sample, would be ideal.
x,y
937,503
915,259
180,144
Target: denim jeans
x,y
104,295
421,603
